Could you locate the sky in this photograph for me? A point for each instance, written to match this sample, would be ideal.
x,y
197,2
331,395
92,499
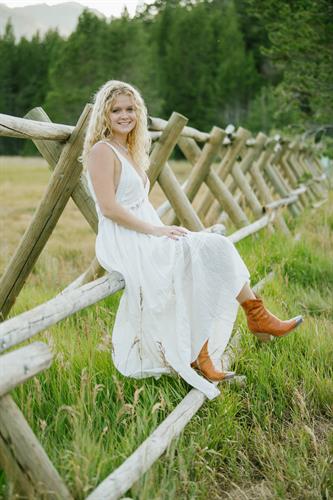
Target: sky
x,y
107,7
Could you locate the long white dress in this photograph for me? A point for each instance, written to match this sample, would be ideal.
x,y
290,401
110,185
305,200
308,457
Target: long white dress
x,y
178,293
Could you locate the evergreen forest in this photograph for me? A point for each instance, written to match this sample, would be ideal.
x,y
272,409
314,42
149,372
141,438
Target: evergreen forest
x,y
264,65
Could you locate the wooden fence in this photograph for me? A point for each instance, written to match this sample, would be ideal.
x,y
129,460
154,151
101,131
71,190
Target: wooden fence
x,y
244,182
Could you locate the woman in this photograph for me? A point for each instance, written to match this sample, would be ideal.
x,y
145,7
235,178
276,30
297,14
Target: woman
x,y
182,288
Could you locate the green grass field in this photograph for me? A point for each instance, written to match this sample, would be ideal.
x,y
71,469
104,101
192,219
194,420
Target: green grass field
x,y
271,439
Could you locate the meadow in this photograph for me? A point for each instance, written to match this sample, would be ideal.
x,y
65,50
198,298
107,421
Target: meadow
x,y
269,439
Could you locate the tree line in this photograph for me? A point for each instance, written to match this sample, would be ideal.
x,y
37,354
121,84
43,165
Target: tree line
x,y
215,61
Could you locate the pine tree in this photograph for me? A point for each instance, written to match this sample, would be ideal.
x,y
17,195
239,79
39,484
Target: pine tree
x,y
205,71
237,79
96,52
76,69
8,84
300,41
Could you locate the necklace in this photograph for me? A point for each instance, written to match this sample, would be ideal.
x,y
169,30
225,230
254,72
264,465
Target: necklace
x,y
121,146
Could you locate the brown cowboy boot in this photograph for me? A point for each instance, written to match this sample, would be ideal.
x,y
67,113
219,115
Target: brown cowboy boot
x,y
206,367
263,323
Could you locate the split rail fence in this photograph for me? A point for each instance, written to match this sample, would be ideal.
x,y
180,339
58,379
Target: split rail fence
x,y
244,182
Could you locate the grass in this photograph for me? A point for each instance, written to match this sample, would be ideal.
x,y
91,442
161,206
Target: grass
x,y
272,439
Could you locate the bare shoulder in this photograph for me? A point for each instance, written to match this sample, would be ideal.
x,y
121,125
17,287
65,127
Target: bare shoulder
x,y
101,165
101,158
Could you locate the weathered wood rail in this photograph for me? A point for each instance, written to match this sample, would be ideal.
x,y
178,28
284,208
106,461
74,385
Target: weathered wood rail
x,y
243,182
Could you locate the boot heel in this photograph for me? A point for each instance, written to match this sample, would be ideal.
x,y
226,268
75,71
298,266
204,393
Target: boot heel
x,y
263,337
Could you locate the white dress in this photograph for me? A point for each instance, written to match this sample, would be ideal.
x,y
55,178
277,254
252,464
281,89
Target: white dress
x,y
178,293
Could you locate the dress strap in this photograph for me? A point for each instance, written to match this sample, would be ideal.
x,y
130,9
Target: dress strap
x,y
119,156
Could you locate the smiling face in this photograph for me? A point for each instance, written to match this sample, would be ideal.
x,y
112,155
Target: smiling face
x,y
122,116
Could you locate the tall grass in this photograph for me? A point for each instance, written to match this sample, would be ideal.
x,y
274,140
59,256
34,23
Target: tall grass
x,y
272,438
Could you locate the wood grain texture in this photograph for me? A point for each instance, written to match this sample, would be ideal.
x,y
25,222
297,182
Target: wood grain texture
x,y
23,457
20,365
60,187
165,145
233,150
201,166
26,325
51,151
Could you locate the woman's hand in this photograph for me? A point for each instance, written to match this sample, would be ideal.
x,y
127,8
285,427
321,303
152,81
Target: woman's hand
x,y
173,232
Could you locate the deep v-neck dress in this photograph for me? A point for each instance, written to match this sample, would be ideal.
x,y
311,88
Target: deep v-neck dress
x,y
178,293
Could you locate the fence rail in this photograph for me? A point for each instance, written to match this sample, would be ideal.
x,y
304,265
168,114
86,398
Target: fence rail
x,y
245,183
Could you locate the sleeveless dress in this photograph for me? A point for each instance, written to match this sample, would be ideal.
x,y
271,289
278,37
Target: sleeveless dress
x,y
178,293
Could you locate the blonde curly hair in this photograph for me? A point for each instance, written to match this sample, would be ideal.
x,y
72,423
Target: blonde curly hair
x,y
99,126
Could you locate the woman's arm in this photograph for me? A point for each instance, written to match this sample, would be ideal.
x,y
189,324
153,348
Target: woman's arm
x,y
101,166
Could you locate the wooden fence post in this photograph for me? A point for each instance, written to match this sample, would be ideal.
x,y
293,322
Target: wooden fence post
x,y
165,144
277,182
311,158
21,454
226,200
288,161
306,172
51,151
316,162
308,167
308,197
295,165
279,151
239,171
264,191
251,156
208,203
202,164
180,203
202,160
159,169
24,459
61,185
286,167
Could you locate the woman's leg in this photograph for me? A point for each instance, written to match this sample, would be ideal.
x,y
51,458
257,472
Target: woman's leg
x,y
262,322
245,294
207,368
203,362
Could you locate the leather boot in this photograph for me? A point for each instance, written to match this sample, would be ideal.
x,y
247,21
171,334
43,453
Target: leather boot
x,y
263,323
206,367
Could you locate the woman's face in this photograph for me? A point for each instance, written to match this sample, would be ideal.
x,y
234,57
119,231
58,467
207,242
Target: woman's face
x,y
123,116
